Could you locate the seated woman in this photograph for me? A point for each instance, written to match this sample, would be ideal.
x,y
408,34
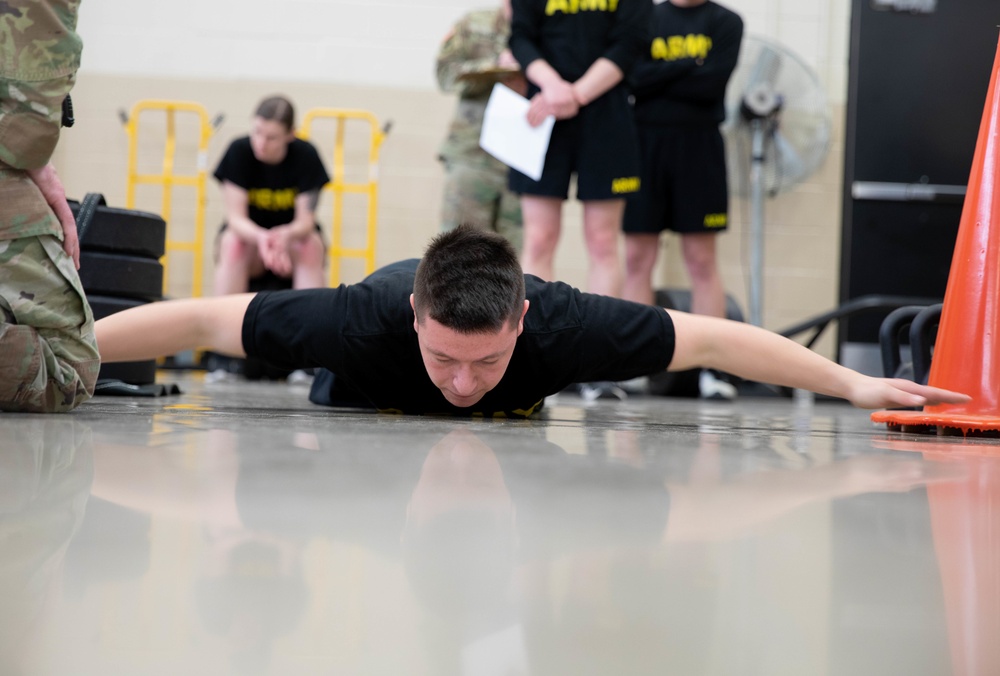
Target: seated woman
x,y
271,183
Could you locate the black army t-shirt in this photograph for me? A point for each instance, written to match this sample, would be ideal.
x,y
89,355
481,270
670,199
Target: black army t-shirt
x,y
272,188
364,334
571,35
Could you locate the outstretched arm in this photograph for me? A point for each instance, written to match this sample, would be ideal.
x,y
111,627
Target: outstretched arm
x,y
169,327
757,354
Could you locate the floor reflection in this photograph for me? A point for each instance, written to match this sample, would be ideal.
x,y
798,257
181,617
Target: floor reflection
x,y
156,538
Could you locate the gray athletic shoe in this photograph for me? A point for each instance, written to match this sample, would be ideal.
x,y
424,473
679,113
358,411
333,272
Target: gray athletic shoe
x,y
300,377
638,385
222,376
602,390
713,385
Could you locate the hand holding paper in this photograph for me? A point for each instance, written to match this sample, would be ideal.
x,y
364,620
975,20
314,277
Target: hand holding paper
x,y
509,137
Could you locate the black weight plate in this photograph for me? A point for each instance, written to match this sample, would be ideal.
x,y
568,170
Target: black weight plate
x,y
131,372
124,231
120,275
103,306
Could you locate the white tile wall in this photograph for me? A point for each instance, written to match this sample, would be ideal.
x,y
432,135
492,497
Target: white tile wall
x,y
378,55
381,43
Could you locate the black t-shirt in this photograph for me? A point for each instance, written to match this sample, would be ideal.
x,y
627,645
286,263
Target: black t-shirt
x,y
364,334
683,77
272,188
572,34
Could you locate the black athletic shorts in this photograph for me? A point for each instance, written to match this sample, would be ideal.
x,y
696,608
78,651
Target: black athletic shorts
x,y
684,185
599,144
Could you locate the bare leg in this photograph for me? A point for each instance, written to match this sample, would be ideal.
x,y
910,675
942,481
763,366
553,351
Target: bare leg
x,y
602,226
542,226
308,256
238,261
641,250
707,294
707,298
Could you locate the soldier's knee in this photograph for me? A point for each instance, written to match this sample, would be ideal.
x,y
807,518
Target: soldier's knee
x,y
47,392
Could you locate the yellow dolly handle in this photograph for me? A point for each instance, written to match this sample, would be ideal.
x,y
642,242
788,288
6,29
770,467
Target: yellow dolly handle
x,y
338,186
168,179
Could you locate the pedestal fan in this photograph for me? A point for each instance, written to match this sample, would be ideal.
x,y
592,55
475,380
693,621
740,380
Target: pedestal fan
x,y
777,133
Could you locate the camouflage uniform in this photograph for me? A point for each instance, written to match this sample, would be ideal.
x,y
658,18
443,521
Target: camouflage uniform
x,y
475,183
48,355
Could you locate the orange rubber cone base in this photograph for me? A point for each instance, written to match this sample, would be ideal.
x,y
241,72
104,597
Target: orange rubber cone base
x,y
939,423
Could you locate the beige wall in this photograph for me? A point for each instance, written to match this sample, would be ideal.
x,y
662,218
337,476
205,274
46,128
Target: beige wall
x,y
378,55
801,234
93,156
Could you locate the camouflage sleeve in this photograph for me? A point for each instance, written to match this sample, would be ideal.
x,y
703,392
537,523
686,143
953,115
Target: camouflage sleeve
x,y
451,57
39,57
459,55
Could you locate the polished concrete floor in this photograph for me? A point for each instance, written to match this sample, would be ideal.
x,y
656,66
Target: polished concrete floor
x,y
237,529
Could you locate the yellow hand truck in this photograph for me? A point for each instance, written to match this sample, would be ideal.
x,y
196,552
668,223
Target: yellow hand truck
x,y
168,179
339,186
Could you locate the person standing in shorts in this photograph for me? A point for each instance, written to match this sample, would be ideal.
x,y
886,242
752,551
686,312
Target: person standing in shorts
x,y
679,91
576,54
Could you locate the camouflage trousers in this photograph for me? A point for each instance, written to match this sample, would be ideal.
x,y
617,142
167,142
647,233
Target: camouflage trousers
x,y
479,197
48,355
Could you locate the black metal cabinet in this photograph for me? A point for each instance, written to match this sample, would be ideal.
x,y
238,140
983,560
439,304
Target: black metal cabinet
x,y
919,73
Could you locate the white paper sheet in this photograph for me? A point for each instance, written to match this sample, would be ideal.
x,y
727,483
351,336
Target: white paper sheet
x,y
507,135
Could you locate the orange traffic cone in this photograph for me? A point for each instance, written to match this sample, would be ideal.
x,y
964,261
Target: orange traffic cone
x,y
967,352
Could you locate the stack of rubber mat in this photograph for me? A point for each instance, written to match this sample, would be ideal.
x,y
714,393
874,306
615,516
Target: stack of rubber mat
x,y
120,269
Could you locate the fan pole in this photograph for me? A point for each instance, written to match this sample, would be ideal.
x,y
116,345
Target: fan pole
x,y
757,220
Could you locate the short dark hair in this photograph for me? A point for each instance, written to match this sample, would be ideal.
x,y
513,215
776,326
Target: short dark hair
x,y
279,109
470,281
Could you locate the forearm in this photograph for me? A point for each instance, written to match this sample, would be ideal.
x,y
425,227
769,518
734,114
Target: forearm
x,y
165,328
244,227
447,73
303,223
525,32
300,228
449,61
706,82
754,353
602,75
542,74
649,76
471,87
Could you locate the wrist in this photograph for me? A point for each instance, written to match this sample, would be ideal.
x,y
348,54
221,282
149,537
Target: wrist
x,y
543,75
